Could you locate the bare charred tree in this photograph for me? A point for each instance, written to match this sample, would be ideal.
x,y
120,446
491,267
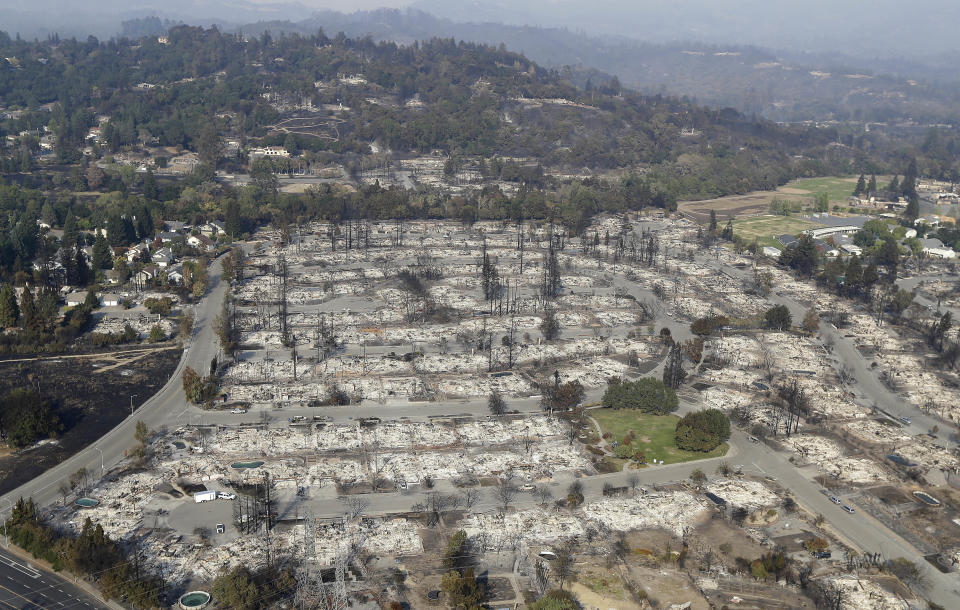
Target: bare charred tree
x,y
550,282
282,274
796,403
355,505
469,498
506,491
673,373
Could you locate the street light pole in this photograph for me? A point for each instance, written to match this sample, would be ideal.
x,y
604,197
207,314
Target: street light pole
x,y
132,396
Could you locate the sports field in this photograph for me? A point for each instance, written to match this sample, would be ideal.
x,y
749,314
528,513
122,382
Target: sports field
x,y
765,229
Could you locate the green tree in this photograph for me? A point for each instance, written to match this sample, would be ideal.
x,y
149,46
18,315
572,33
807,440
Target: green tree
x,y
457,555
31,318
238,590
156,334
264,178
25,417
778,317
9,310
702,430
872,185
463,591
150,189
801,256
649,395
861,187
821,202
912,211
102,257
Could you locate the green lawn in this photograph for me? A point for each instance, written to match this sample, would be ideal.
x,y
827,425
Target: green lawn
x,y
765,229
838,189
653,434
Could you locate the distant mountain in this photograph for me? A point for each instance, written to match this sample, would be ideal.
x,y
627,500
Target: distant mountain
x,y
862,28
784,86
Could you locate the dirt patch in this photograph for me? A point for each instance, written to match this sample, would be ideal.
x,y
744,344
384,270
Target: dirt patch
x,y
89,404
728,207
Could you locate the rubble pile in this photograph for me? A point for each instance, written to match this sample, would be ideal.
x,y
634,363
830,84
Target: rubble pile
x,y
747,493
860,593
671,511
496,531
143,323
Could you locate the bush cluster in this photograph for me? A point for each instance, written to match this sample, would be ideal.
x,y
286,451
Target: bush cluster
x,y
703,430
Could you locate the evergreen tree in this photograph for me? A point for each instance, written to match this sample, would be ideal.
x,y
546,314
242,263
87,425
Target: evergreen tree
x,y
9,310
81,269
31,318
150,188
861,187
909,185
70,231
713,221
231,218
913,208
894,186
102,257
872,185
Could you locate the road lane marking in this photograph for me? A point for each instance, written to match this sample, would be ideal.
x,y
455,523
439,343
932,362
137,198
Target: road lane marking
x,y
30,602
19,567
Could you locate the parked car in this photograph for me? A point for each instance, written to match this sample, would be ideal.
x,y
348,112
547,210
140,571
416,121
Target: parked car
x,y
822,554
221,528
528,487
835,499
848,509
906,420
238,411
224,495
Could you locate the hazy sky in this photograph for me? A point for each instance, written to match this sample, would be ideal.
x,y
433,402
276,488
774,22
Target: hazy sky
x,y
873,28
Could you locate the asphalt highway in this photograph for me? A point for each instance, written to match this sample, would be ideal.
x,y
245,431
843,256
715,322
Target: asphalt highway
x,y
25,588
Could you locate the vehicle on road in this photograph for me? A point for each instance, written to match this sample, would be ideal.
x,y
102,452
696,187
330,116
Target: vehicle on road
x,y
204,496
835,499
225,495
238,411
906,420
848,509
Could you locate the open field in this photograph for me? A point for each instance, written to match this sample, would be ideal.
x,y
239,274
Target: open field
x,y
838,189
765,229
653,434
758,202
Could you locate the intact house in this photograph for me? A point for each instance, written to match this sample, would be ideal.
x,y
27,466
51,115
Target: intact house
x,y
213,228
936,249
136,253
201,242
162,257
75,299
175,274
167,236
143,277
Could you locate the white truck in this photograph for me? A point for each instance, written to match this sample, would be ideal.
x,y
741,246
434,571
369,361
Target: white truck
x,y
204,496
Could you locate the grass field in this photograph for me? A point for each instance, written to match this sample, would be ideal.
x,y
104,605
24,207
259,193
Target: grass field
x,y
838,189
765,229
799,191
653,434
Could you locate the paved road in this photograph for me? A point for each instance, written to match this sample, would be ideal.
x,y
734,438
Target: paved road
x,y
23,587
157,412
